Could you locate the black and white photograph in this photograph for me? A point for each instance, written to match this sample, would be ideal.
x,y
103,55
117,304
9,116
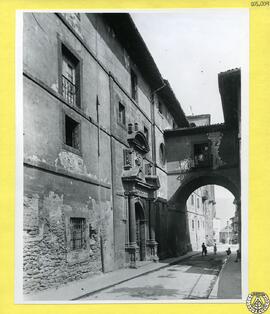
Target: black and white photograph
x,y
132,153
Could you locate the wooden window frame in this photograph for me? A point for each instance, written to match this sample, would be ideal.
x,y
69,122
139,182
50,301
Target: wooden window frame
x,y
121,120
68,53
78,121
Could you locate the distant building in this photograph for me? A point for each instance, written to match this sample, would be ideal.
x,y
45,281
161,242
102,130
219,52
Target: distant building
x,y
226,234
196,218
199,120
216,229
235,225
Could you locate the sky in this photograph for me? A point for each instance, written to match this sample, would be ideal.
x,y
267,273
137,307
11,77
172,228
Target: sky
x,y
224,205
190,48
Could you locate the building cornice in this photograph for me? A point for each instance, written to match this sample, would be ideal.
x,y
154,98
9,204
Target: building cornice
x,y
197,130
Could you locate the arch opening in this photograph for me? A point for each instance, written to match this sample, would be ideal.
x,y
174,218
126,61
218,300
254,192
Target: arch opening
x,y
194,218
212,218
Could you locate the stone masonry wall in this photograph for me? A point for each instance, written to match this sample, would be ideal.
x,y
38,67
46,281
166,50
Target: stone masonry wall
x,y
49,260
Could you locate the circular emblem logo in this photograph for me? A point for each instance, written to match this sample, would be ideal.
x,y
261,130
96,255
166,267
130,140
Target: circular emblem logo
x,y
257,302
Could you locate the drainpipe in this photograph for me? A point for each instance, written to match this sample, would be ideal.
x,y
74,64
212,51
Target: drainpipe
x,y
153,133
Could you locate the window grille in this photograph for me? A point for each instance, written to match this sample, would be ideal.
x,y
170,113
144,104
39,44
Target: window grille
x,y
77,231
70,77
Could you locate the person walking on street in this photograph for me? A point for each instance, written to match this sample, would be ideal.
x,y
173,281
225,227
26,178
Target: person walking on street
x,y
204,250
215,248
229,251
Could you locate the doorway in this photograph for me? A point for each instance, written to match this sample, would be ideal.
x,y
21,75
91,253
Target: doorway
x,y
140,232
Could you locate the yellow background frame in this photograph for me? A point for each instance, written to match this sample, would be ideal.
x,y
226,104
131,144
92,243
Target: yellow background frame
x,y
259,153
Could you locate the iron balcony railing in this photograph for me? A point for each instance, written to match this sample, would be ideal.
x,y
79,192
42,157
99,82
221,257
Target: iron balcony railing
x,y
69,90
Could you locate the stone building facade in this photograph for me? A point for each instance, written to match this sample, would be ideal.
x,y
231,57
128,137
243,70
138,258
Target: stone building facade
x,y
216,228
97,187
201,203
196,219
201,214
95,184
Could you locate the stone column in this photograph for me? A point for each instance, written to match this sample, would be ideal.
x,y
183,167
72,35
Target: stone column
x,y
132,221
152,220
152,244
132,232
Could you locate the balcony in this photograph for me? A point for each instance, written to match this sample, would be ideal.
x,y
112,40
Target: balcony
x,y
202,156
69,91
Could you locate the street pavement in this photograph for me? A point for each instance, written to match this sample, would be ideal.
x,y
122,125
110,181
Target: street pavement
x,y
186,277
228,285
193,278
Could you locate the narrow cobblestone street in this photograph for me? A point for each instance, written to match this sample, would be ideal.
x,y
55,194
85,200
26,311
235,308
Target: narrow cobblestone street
x,y
193,278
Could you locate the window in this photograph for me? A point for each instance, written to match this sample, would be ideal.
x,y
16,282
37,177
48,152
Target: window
x,y
198,224
198,203
121,114
77,233
134,85
162,153
201,155
72,133
145,131
70,77
192,224
192,199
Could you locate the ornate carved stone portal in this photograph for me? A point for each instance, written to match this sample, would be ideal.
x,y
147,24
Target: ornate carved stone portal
x,y
140,185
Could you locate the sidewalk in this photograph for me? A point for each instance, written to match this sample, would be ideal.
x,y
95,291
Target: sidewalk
x,y
82,288
228,284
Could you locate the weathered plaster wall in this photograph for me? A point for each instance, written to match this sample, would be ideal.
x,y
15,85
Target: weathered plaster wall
x,y
133,115
178,233
43,34
223,147
161,169
162,191
60,183
163,120
116,60
161,228
49,203
44,137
